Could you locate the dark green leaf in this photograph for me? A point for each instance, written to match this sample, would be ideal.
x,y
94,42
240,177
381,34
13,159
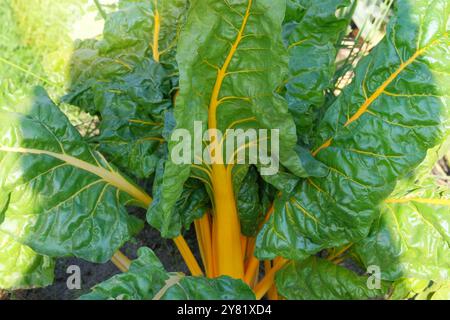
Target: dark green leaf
x,y
66,200
254,197
377,131
311,38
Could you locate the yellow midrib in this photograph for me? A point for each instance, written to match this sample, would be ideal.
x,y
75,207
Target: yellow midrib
x,y
435,201
223,71
113,178
156,31
226,230
368,102
172,281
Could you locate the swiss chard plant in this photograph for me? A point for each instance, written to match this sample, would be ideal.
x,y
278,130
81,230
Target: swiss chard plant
x,y
351,212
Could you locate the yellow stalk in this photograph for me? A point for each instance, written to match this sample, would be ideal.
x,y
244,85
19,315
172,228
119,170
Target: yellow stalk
x,y
203,230
227,229
252,269
250,250
267,282
121,261
340,252
188,256
272,294
156,31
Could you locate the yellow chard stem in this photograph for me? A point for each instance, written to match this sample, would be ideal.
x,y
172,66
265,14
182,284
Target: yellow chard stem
x,y
188,256
227,229
226,225
121,261
267,282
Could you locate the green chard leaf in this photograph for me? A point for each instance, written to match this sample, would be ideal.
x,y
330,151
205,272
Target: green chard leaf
x,y
21,267
130,94
147,280
312,40
128,78
376,131
191,205
231,61
253,198
441,291
145,26
319,279
407,288
65,199
411,237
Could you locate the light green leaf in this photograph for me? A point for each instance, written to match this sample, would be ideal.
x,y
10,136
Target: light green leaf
x,y
442,292
377,131
408,288
66,200
21,267
319,279
410,238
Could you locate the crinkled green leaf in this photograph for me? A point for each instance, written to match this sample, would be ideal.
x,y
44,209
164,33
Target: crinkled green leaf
x,y
377,130
147,279
295,10
21,267
134,26
411,237
127,83
191,205
130,94
252,69
319,279
66,200
424,170
312,39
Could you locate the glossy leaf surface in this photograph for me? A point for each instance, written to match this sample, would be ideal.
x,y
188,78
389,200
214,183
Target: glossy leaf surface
x,y
21,267
311,33
377,130
66,200
231,61
411,237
